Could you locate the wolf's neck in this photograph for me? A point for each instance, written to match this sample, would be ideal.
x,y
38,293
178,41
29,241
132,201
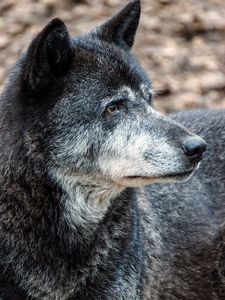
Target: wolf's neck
x,y
86,202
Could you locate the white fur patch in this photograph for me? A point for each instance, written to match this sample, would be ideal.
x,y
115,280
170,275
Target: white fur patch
x,y
86,199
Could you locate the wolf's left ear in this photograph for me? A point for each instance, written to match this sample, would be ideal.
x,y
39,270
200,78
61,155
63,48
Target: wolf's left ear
x,y
50,54
121,29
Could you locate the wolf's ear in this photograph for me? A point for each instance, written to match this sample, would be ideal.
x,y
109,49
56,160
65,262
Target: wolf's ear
x,y
50,54
121,29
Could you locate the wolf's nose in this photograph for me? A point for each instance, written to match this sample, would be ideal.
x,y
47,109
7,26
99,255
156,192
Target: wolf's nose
x,y
194,148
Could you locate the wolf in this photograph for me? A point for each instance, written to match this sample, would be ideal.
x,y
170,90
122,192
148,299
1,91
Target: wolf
x,y
98,198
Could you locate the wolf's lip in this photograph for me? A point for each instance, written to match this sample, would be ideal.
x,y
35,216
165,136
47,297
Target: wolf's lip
x,y
184,174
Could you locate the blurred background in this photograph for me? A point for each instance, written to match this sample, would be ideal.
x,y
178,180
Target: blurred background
x,y
180,43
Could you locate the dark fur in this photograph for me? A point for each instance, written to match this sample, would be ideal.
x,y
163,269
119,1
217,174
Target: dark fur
x,y
161,242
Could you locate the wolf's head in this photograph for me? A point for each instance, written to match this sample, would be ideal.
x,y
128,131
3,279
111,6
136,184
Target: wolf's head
x,y
90,103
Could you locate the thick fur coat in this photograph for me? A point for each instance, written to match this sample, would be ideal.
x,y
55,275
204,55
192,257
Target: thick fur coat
x,y
92,199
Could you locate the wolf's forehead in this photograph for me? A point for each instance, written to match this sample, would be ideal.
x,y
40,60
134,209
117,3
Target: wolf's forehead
x,y
112,68
107,57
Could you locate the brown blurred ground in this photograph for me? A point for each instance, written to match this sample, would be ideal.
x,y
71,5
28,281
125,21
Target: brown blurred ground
x,y
181,43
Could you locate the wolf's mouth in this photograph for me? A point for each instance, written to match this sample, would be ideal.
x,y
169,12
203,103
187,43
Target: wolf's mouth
x,y
140,181
174,175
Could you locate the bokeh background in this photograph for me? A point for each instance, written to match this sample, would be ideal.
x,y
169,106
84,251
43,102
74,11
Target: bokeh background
x,y
180,43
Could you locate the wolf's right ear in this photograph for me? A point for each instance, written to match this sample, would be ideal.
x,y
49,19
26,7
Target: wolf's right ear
x,y
50,54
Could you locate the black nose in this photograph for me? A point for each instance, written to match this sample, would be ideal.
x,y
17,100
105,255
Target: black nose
x,y
194,147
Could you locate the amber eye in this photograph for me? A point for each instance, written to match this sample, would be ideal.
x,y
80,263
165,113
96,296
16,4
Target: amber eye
x,y
113,109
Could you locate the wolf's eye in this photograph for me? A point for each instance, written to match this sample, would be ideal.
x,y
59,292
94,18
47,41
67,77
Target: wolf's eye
x,y
114,108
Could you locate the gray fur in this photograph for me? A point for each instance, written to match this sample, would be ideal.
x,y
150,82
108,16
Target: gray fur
x,y
86,208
